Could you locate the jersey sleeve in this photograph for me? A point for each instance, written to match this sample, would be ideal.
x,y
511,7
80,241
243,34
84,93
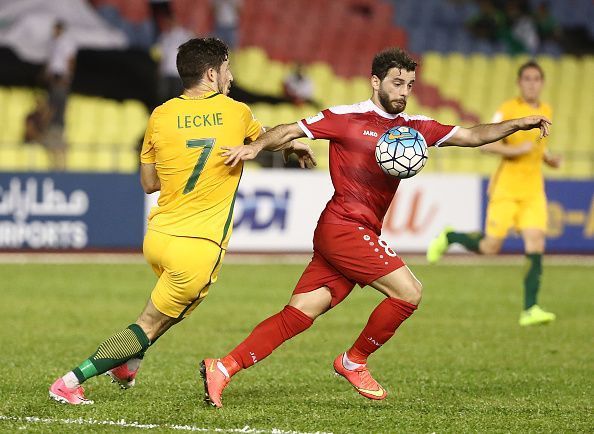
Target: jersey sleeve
x,y
434,132
324,125
253,128
147,154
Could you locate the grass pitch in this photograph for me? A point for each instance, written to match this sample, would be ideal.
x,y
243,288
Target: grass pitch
x,y
460,364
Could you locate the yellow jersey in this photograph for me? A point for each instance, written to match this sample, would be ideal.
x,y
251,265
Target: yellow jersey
x,y
520,177
184,139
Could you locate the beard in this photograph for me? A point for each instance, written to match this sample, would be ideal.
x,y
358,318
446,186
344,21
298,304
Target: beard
x,y
223,87
392,107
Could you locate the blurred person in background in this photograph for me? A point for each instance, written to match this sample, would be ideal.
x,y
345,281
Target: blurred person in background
x,y
488,22
59,71
226,20
173,35
298,87
546,24
189,229
520,33
517,199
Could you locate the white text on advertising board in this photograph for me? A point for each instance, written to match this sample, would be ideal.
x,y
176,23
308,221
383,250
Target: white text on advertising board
x,y
22,212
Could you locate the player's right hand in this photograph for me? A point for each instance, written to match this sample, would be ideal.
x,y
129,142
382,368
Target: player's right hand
x,y
239,153
530,122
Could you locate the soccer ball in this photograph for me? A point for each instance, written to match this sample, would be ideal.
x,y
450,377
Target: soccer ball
x,y
401,152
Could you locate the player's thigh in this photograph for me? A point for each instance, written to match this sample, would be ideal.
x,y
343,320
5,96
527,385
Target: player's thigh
x,y
190,266
154,244
358,253
320,287
533,213
501,217
400,283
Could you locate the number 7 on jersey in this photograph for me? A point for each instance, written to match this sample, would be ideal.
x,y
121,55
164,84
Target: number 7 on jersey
x,y
207,145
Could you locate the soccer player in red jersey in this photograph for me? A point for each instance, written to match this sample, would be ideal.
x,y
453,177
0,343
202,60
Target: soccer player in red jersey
x,y
348,249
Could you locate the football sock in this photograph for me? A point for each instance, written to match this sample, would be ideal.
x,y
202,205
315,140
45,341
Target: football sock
x,y
124,345
70,380
532,279
381,326
469,240
350,365
267,336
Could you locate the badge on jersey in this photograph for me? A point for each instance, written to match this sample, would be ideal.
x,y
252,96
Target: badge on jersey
x,y
313,119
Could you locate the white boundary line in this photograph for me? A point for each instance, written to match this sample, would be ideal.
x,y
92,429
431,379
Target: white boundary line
x,y
124,424
280,258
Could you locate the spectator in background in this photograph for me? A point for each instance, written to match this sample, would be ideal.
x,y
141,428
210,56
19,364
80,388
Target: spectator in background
x,y
58,73
488,22
546,25
172,36
226,14
522,35
298,87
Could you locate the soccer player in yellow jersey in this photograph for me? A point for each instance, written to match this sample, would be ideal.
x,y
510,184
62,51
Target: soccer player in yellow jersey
x,y
517,197
189,230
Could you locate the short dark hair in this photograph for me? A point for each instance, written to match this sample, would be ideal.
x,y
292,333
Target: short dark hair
x,y
391,58
196,56
530,64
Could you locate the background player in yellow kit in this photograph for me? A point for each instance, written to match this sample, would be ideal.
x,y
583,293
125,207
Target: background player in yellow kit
x,y
517,197
189,230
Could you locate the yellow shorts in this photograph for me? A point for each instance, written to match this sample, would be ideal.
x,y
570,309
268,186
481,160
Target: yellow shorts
x,y
517,214
186,268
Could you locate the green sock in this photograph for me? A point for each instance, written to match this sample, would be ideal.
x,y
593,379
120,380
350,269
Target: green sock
x,y
532,279
124,345
469,240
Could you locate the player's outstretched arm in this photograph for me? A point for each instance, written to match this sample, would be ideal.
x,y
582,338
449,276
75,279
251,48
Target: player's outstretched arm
x,y
278,138
487,133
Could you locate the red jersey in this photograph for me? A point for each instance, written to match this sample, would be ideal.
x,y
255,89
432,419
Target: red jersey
x,y
362,192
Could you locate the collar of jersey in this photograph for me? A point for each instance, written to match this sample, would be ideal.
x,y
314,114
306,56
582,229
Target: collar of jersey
x,y
379,111
205,96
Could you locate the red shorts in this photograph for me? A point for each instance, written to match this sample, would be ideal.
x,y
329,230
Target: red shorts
x,y
346,255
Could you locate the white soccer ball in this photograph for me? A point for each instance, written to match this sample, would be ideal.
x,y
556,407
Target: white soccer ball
x,y
401,152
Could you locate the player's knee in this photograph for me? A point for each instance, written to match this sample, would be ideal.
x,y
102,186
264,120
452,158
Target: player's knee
x,y
416,292
490,248
412,292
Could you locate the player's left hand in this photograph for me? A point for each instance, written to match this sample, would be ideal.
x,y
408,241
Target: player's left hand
x,y
239,153
553,161
530,122
304,154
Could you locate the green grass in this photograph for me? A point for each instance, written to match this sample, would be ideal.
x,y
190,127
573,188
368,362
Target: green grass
x,y
460,364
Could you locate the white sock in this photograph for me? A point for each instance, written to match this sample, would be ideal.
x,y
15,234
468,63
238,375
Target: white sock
x,y
351,366
223,369
70,380
133,364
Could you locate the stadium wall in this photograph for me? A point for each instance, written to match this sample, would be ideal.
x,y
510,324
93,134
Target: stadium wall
x,y
276,211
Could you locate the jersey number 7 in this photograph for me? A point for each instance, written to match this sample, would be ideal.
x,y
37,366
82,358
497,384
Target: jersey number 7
x,y
207,145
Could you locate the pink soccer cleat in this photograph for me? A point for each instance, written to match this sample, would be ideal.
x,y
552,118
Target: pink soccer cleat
x,y
361,380
215,381
123,375
61,393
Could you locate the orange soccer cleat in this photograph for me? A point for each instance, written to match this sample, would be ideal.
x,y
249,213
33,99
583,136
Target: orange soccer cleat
x,y
361,380
215,378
